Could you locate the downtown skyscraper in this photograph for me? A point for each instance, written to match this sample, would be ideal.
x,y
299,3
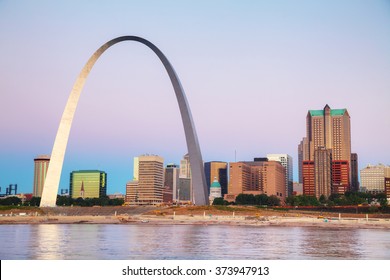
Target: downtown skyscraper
x,y
41,164
287,162
147,186
327,148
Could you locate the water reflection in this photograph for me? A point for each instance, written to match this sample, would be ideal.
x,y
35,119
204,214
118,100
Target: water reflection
x,y
102,242
330,244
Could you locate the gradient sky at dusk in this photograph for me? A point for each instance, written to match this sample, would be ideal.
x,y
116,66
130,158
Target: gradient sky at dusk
x,y
251,71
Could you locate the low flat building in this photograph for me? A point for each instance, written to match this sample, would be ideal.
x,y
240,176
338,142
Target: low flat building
x,y
257,177
373,178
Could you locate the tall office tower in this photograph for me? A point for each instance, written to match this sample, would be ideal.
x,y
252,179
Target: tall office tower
x,y
373,178
185,174
287,163
185,167
88,184
150,180
216,170
41,163
184,190
274,179
308,178
131,197
135,169
303,154
257,177
329,129
171,182
239,178
387,188
340,178
354,173
323,171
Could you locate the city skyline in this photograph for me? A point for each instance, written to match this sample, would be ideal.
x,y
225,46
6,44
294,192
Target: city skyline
x,y
288,59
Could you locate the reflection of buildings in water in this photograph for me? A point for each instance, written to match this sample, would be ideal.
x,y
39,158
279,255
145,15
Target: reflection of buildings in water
x,y
149,241
269,242
49,243
233,242
67,242
142,242
330,243
373,244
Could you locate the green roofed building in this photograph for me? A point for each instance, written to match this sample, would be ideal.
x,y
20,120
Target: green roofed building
x,y
327,146
331,129
88,184
215,190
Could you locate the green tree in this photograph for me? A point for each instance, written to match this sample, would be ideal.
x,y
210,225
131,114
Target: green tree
x,y
79,201
261,199
220,201
64,200
382,199
11,200
273,200
323,199
116,201
245,199
353,198
35,201
305,200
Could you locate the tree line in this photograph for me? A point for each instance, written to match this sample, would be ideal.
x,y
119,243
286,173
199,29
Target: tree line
x,y
65,201
349,198
250,199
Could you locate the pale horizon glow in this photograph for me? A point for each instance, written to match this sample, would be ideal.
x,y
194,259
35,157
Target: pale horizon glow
x,y
250,69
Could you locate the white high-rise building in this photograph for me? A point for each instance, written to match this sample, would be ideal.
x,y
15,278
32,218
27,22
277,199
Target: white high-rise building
x,y
136,169
372,178
147,189
287,163
185,167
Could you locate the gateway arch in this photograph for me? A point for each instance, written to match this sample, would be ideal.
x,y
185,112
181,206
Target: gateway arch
x,y
50,189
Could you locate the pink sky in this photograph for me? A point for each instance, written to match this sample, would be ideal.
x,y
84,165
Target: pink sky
x,y
251,71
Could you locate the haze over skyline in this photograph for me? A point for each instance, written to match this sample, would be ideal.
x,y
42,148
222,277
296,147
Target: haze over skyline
x,y
251,70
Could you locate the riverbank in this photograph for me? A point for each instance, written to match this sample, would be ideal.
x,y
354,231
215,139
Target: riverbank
x,y
192,215
204,220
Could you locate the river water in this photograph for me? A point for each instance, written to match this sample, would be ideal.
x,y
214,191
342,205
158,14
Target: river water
x,y
131,242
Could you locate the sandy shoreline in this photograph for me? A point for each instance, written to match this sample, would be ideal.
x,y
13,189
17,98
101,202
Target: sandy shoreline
x,y
202,220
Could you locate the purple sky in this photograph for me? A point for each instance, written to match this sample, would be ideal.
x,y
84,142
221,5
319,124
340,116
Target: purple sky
x,y
251,71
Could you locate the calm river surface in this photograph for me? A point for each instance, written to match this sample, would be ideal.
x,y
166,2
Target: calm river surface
x,y
122,242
